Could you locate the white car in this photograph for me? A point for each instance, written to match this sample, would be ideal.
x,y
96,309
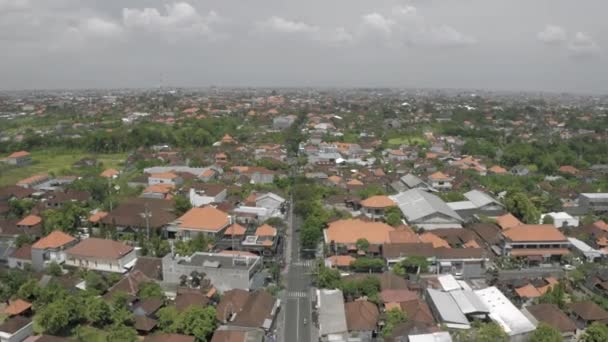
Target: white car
x,y
569,267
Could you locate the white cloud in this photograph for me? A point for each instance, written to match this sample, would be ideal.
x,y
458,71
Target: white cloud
x,y
405,25
282,25
100,27
552,34
12,5
180,18
583,45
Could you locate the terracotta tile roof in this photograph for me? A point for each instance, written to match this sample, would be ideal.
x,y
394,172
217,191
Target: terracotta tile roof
x,y
341,260
266,230
33,179
205,218
528,291
418,311
434,239
397,295
398,250
97,216
379,201
30,220
143,323
335,179
403,234
361,315
231,302
534,232
508,221
55,239
164,175
601,225
439,176
17,307
235,229
151,267
539,251
109,173
100,248
553,316
14,324
23,253
159,188
354,182
256,310
589,311
19,154
169,338
349,231
568,169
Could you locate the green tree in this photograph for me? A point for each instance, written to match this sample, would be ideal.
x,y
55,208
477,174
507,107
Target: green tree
x,y
29,291
198,321
555,295
520,205
393,318
97,311
24,239
168,319
415,264
393,216
362,245
548,219
121,333
328,278
54,269
53,318
368,264
490,332
95,283
596,332
182,204
545,333
150,289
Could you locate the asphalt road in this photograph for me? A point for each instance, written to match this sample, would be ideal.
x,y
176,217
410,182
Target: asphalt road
x,y
298,293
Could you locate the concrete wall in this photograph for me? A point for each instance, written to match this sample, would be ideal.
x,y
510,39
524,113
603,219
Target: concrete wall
x,y
101,264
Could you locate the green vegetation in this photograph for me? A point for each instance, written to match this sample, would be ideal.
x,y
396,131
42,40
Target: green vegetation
x,y
195,320
413,264
481,332
393,318
546,333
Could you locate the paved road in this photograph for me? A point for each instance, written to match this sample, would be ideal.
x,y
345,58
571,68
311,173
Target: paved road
x,y
298,291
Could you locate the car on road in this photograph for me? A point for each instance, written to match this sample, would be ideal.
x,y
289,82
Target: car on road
x,y
305,321
569,267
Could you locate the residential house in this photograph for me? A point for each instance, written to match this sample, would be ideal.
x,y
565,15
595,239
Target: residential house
x,y
16,329
139,214
561,219
362,317
256,174
158,191
551,315
51,248
586,313
20,257
426,210
341,236
535,242
110,173
332,315
20,158
440,181
203,194
169,338
283,122
208,220
477,203
101,255
225,271
375,206
165,178
258,311
594,202
32,181
18,307
237,334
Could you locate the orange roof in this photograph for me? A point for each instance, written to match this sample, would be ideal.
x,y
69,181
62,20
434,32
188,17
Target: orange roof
x,y
16,307
403,234
335,179
164,175
439,176
354,182
19,154
379,201
601,225
471,244
434,239
30,220
568,169
497,169
527,291
430,155
160,188
603,241
266,230
235,229
508,221
33,179
228,139
205,218
351,230
534,232
341,260
55,239
392,305
540,251
208,173
109,173
97,216
212,291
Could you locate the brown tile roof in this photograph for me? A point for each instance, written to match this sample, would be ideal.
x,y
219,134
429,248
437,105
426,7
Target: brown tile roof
x,y
232,301
497,169
434,239
143,323
17,307
534,232
100,248
205,218
256,310
23,253
241,253
397,250
129,284
341,260
33,179
150,266
30,220
97,216
589,311
439,176
361,315
164,175
130,213
109,173
149,305
379,201
508,221
528,291
159,188
55,239
488,232
354,182
229,336
349,231
14,324
458,253
418,311
189,297
397,295
266,230
169,338
553,316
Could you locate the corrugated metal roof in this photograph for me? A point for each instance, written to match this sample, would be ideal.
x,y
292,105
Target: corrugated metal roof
x,y
332,316
416,204
447,307
468,302
479,198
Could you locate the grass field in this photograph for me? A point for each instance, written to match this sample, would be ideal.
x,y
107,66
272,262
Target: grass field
x,y
410,140
55,160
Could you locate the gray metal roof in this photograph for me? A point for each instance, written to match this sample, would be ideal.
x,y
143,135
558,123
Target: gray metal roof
x,y
468,302
332,316
416,204
411,181
447,307
480,198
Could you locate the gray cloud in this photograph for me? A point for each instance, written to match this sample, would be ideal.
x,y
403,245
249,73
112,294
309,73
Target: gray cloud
x,y
426,43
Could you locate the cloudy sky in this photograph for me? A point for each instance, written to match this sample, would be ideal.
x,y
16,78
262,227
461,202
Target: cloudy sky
x,y
551,45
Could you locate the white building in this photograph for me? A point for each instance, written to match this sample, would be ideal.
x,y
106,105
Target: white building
x,y
101,255
561,219
505,314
